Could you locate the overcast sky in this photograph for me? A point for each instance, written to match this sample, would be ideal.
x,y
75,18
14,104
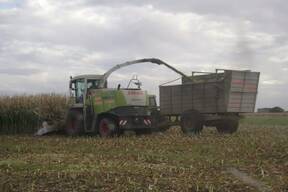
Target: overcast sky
x,y
43,42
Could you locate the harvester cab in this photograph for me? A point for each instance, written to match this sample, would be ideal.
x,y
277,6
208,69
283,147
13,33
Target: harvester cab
x,y
80,86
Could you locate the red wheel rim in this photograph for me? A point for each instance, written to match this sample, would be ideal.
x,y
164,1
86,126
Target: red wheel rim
x,y
104,128
71,126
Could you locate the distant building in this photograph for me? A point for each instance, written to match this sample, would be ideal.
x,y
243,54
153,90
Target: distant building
x,y
271,110
264,110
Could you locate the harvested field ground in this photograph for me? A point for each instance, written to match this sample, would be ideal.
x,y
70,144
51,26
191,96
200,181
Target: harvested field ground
x,y
253,159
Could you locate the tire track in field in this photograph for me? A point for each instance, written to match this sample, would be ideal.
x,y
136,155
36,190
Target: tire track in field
x,y
245,178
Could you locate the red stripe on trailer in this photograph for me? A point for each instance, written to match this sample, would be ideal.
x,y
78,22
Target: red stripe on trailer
x,y
237,81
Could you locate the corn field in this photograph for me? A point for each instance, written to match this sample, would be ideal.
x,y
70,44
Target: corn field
x,y
24,114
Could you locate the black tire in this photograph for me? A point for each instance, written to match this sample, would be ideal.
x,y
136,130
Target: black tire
x,y
228,125
159,123
74,123
192,122
107,127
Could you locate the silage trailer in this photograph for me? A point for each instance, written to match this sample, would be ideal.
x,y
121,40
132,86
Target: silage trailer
x,y
210,99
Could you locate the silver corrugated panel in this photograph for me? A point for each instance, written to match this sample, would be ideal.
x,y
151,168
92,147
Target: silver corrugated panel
x,y
231,91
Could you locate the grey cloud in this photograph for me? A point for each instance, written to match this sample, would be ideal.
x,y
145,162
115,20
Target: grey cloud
x,y
268,15
73,37
18,71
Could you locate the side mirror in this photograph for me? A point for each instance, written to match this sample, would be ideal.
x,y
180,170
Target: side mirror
x,y
71,86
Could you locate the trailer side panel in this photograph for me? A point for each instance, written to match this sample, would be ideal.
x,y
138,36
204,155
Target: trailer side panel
x,y
231,91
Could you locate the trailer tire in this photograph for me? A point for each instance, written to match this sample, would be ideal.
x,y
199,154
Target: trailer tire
x,y
192,122
107,127
74,123
160,123
228,125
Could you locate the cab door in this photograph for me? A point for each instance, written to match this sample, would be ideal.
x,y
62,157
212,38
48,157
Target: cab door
x,y
89,114
78,91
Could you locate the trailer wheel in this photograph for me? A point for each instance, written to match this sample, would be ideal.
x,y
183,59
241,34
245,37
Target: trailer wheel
x,y
160,123
192,121
74,123
107,127
228,125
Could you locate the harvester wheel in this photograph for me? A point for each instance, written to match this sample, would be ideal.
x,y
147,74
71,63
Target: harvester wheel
x,y
107,127
192,121
228,125
74,123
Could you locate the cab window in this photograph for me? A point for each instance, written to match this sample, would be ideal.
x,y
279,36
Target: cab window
x,y
78,90
93,83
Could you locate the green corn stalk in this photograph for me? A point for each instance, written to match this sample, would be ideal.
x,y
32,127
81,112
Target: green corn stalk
x,y
21,114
